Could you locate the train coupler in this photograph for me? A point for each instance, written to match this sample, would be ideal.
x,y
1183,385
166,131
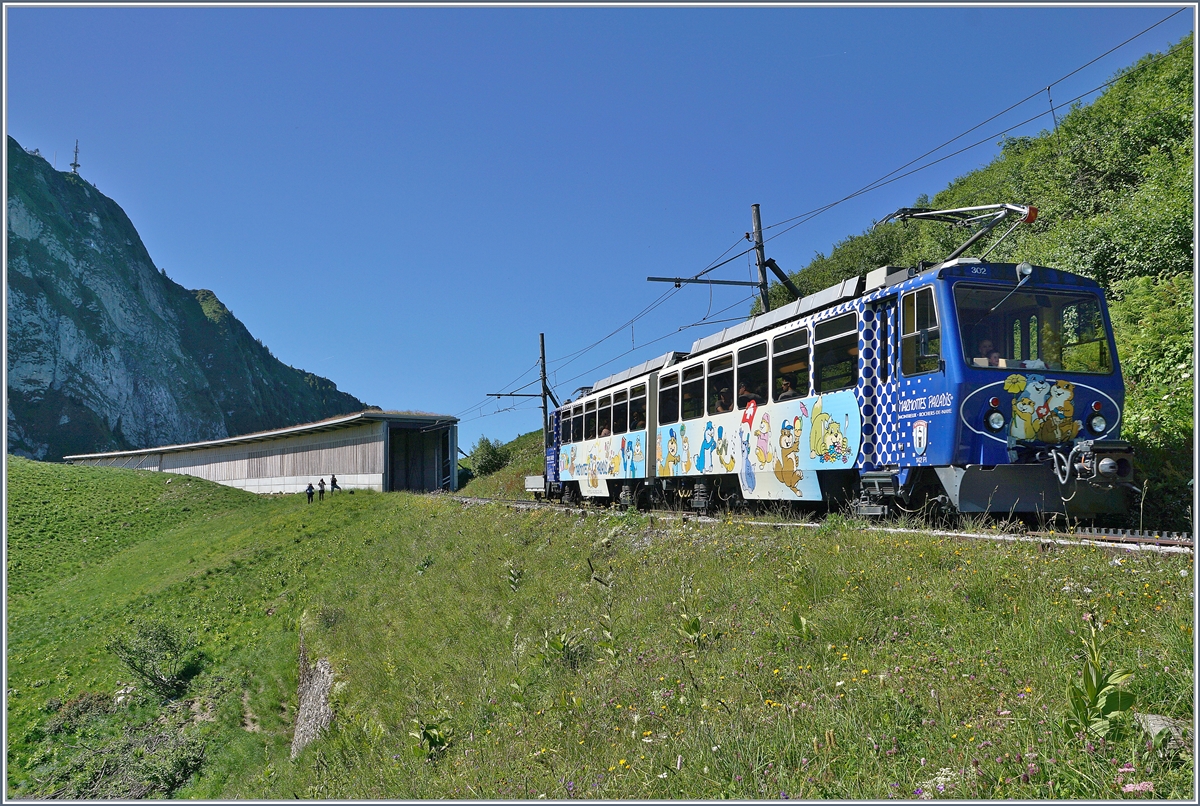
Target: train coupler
x,y
875,488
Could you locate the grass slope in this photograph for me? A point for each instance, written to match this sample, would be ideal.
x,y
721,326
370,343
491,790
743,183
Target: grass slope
x,y
605,655
527,458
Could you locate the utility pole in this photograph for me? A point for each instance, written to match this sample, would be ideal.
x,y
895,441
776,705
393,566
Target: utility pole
x,y
764,263
762,259
545,411
75,164
543,394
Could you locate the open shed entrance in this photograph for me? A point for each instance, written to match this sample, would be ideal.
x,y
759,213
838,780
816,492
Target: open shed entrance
x,y
419,460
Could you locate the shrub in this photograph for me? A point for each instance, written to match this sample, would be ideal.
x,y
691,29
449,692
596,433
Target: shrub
x,y
488,456
158,653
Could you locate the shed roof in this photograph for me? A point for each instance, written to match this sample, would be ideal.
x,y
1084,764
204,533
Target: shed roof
x,y
329,424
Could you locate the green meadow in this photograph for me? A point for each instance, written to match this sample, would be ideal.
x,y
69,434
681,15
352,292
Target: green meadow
x,y
485,652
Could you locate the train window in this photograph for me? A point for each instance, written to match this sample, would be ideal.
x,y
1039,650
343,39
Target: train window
x,y
1049,330
790,365
920,340
564,423
577,424
1084,342
885,349
589,420
835,354
637,407
720,385
604,426
668,399
752,374
620,423
691,401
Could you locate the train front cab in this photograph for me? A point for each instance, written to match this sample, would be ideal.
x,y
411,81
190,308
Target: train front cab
x,y
996,397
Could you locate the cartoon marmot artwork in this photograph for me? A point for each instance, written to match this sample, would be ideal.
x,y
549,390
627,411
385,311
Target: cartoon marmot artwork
x,y
827,440
787,466
762,450
724,453
747,469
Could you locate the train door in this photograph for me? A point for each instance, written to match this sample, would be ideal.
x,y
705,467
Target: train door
x,y
881,391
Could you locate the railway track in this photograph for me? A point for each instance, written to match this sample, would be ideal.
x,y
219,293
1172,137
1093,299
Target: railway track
x,y
1128,539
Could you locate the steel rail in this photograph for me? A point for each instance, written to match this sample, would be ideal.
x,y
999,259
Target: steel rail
x,y
1129,539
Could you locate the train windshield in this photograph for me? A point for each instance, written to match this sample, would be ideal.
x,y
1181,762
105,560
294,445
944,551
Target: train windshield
x,y
1032,329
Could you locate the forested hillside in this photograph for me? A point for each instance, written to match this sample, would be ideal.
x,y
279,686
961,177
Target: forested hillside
x,y
1113,184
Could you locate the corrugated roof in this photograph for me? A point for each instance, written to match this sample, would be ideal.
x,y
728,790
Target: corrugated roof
x,y
640,369
847,289
328,424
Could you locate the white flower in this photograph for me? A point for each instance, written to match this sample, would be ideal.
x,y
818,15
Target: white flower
x,y
1182,572
839,683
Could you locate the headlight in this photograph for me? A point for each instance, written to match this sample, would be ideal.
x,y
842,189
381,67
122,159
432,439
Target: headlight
x,y
1096,423
995,421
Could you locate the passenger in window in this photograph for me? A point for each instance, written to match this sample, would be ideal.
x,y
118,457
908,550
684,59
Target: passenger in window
x,y
745,396
786,391
604,432
723,402
993,359
985,349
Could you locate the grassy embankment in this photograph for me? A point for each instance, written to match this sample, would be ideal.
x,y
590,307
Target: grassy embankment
x,y
527,457
557,650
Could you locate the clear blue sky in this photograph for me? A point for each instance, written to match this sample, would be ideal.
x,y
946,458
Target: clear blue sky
x,y
401,199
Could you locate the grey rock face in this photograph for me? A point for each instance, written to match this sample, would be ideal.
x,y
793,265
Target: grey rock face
x,y
107,353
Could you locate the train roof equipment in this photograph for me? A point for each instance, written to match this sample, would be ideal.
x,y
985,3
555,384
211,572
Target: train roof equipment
x,y
664,360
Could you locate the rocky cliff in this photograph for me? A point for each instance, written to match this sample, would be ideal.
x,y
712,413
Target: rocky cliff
x,y
105,352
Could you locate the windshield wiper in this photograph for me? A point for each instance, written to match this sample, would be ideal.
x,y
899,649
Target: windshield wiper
x,y
1024,271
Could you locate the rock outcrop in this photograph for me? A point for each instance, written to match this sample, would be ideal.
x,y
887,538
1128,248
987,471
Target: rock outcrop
x,y
105,352
313,712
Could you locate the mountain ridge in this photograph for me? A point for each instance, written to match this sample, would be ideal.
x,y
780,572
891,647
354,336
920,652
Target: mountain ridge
x,y
105,352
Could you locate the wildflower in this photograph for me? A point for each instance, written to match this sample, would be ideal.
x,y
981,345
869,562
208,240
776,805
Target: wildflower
x,y
1144,786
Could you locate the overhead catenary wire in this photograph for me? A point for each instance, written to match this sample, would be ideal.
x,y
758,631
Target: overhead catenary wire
x,y
703,321
806,217
981,124
887,179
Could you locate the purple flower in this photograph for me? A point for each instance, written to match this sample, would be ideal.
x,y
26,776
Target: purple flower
x,y
784,795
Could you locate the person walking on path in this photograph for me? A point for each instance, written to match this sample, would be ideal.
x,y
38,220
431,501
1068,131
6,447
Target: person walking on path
x,y
333,485
310,492
321,490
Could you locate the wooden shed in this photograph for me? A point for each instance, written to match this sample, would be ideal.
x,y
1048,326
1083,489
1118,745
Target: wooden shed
x,y
370,450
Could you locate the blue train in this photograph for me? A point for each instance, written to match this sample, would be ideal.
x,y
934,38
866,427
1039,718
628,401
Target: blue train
x,y
977,386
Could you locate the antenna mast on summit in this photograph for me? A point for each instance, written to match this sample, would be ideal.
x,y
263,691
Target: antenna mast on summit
x,y
75,164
